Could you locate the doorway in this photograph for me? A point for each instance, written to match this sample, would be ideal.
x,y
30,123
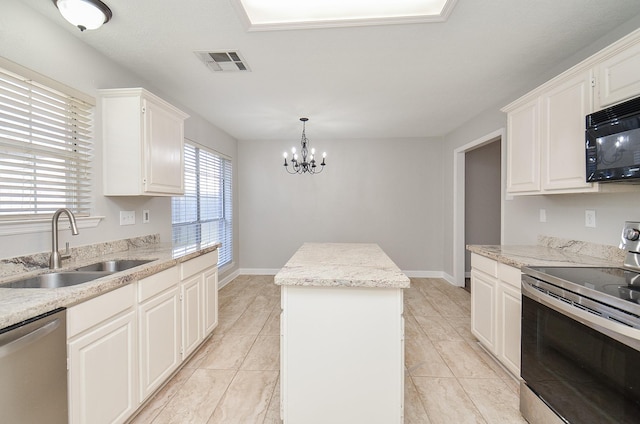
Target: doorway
x,y
482,177
463,216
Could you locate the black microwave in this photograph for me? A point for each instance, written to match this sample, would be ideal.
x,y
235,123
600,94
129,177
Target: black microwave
x,y
613,143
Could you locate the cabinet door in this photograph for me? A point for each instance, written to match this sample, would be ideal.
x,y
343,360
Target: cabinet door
x,y
618,77
509,306
483,309
210,300
191,315
523,148
163,149
102,380
564,108
159,340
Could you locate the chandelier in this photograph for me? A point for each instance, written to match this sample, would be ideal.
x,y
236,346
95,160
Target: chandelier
x,y
306,162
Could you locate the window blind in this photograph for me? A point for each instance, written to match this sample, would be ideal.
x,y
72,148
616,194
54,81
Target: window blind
x,y
203,215
45,149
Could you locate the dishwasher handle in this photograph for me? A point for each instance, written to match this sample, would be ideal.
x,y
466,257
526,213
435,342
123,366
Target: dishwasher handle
x,y
22,341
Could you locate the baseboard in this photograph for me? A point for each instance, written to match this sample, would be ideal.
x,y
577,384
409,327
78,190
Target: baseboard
x,y
422,274
259,271
226,280
449,279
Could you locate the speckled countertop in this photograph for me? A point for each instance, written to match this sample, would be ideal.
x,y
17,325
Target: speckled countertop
x,y
341,265
17,305
551,251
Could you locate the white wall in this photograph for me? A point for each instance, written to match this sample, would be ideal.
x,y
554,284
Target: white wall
x,y
380,191
32,41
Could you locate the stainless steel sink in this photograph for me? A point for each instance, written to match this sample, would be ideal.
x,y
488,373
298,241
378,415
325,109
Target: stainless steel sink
x,y
54,280
115,265
79,275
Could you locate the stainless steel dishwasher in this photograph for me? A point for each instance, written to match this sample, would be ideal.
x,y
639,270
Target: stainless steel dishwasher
x,y
33,370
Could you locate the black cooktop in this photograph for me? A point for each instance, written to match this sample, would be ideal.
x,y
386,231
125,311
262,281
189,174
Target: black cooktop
x,y
598,283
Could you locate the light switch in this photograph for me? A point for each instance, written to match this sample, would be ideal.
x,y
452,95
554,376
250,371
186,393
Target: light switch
x,y
145,216
127,217
543,215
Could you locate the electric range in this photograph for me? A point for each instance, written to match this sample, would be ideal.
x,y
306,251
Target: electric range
x,y
580,341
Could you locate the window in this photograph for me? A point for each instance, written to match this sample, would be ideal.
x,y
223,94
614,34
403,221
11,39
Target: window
x,y
203,216
45,146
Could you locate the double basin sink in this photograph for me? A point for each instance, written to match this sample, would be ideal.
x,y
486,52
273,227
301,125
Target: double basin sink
x,y
78,275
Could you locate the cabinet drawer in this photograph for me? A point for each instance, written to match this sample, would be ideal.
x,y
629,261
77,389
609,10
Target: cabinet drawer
x,y
510,275
92,312
198,264
486,265
157,283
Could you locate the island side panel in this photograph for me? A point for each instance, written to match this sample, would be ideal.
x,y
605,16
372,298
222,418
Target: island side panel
x,y
342,355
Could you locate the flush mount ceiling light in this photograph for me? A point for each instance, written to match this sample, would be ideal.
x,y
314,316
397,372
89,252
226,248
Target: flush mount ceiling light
x,y
306,161
294,14
85,14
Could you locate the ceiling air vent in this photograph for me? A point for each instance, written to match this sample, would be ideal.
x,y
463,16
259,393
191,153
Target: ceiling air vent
x,y
224,61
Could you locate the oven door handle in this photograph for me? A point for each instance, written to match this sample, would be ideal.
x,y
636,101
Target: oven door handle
x,y
628,335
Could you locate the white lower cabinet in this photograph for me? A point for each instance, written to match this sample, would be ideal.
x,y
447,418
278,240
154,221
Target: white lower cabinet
x,y
159,329
509,308
496,309
102,358
483,308
123,345
210,299
199,299
191,314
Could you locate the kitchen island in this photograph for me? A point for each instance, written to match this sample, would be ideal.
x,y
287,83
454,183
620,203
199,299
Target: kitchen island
x,y
342,335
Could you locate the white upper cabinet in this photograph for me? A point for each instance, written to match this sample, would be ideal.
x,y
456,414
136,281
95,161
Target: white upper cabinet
x,y
546,127
143,139
523,154
564,108
545,138
619,75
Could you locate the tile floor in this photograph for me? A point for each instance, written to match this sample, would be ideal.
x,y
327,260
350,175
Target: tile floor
x,y
233,378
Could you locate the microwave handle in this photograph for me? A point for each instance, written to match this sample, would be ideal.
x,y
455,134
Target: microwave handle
x,y
623,333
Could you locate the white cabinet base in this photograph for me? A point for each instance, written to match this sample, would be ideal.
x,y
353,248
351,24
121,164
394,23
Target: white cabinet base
x,y
101,355
496,309
342,353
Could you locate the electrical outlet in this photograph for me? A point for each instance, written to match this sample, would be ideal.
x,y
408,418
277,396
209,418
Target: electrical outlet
x,y
590,218
145,216
543,215
127,217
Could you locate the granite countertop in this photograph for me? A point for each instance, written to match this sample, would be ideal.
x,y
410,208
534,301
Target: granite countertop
x,y
341,265
17,304
544,255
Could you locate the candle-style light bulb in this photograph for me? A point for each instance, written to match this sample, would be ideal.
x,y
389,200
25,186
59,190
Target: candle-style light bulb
x,y
285,155
313,151
324,155
293,150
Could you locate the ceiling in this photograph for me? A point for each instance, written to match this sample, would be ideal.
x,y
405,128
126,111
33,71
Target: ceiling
x,y
403,80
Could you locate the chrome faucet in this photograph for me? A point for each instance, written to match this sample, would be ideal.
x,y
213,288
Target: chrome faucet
x,y
56,257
